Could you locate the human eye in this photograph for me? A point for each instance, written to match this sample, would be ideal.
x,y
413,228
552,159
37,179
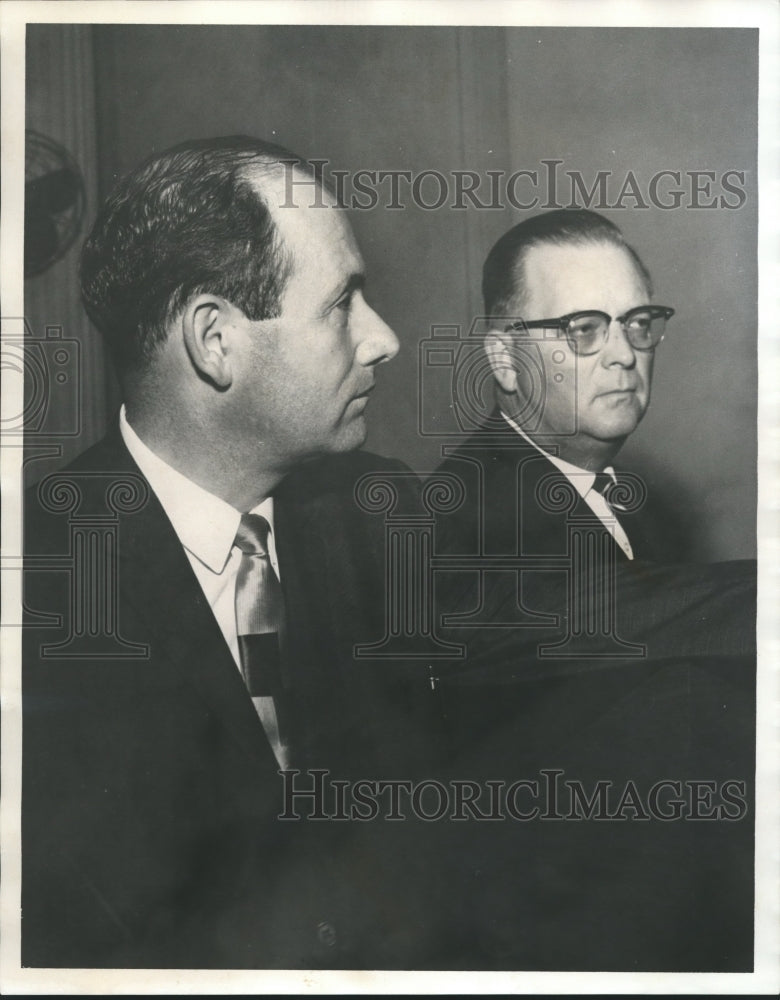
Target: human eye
x,y
640,322
345,302
586,326
586,332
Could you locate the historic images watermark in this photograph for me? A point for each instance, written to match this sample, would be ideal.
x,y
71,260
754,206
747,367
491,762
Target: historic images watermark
x,y
547,796
453,366
50,402
91,506
549,185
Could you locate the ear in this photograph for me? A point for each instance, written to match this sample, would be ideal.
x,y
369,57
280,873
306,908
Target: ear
x,y
205,326
498,349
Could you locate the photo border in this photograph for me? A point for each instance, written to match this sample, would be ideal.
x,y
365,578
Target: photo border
x,y
14,15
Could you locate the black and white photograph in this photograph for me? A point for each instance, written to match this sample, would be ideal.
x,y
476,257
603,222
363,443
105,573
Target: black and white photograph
x,y
389,446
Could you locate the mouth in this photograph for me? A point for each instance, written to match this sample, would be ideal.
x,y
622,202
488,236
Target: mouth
x,y
359,401
630,391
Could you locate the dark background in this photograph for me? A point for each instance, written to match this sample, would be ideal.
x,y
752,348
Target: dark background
x,y
430,98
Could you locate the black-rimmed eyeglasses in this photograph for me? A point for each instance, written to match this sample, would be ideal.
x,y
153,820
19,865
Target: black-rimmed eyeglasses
x,y
587,331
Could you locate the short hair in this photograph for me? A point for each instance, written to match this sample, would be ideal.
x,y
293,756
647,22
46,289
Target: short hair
x,y
186,221
503,277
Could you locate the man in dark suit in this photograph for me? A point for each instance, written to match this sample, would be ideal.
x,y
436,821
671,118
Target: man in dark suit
x,y
195,587
600,691
571,347
217,573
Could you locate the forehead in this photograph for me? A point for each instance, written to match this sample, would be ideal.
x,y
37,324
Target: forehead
x,y
561,278
314,231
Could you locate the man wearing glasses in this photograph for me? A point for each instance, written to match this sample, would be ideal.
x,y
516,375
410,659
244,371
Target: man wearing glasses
x,y
571,347
562,695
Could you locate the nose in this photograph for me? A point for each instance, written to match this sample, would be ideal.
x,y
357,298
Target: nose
x,y
617,350
376,342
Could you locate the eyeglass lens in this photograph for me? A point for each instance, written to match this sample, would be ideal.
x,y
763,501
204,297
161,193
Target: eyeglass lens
x,y
643,330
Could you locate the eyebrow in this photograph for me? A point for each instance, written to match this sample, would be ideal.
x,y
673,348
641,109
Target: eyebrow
x,y
354,282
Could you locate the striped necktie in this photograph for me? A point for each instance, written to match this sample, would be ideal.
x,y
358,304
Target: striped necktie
x,y
259,611
606,485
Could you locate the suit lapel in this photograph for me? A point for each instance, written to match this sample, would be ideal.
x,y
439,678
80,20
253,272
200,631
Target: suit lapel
x,y
301,548
331,556
517,470
156,581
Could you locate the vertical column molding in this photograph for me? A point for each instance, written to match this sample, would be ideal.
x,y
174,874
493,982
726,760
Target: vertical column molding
x,y
60,96
482,81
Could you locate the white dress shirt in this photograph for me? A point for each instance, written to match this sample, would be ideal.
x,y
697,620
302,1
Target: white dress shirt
x,y
582,480
206,526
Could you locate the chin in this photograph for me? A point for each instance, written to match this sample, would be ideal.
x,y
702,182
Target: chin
x,y
620,428
618,423
350,437
615,434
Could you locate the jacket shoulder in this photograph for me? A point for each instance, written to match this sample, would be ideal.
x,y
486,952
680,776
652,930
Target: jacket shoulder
x,y
82,483
342,474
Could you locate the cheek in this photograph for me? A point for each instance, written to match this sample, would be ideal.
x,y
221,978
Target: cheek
x,y
322,356
645,369
560,371
590,376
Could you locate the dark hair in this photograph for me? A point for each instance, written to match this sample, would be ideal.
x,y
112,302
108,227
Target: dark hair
x,y
186,221
503,278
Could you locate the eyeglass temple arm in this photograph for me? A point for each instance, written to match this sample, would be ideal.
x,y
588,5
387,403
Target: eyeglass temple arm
x,y
539,324
561,322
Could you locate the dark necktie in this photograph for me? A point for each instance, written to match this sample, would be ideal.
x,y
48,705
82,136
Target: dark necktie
x,y
606,486
258,621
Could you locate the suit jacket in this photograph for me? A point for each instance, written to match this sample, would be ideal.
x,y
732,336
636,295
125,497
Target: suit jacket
x,y
558,890
511,505
150,792
151,798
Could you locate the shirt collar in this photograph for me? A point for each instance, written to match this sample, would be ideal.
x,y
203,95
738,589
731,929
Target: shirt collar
x,y
581,479
205,524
